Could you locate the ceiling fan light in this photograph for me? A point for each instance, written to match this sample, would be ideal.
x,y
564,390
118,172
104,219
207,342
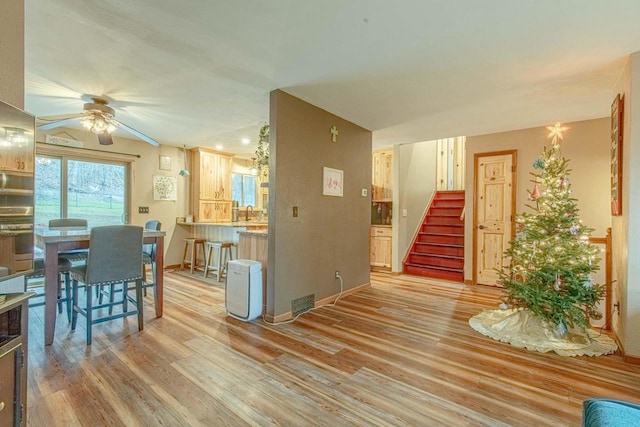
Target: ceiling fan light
x,y
98,122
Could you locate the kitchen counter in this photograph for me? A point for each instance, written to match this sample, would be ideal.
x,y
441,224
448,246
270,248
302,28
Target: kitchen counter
x,y
250,232
228,224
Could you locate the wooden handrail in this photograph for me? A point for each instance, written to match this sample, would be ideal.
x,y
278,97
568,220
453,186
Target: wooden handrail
x,y
463,211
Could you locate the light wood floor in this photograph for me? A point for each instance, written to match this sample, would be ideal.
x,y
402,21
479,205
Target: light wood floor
x,y
399,353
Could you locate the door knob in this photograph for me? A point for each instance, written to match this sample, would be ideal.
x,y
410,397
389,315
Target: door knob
x,y
481,227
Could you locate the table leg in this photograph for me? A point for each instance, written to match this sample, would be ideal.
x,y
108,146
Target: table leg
x,y
158,293
50,291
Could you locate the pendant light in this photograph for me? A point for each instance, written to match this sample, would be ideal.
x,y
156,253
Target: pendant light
x,y
185,171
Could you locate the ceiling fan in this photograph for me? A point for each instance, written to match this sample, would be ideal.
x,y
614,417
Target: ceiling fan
x,y
99,118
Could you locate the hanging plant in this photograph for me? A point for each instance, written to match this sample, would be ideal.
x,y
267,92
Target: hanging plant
x,y
262,153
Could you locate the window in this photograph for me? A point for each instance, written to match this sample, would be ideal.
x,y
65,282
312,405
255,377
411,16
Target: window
x,y
80,188
244,189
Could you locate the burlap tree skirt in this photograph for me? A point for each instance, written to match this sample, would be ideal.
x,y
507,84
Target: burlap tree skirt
x,y
521,328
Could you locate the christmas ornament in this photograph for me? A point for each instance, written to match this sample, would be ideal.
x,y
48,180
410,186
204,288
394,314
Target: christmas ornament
x,y
594,314
589,282
535,194
538,163
574,230
503,306
558,283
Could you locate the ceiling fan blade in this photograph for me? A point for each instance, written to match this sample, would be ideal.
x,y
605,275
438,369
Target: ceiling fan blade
x,y
139,134
61,122
105,138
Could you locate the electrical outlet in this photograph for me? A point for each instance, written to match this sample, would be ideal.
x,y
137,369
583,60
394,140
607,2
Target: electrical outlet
x,y
337,274
364,192
143,209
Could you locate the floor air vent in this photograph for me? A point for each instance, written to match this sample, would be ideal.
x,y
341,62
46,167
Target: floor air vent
x,y
303,304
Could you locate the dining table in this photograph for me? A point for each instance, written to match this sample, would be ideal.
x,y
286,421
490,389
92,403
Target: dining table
x,y
54,241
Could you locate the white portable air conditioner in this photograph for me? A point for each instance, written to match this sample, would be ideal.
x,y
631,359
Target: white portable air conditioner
x,y
243,295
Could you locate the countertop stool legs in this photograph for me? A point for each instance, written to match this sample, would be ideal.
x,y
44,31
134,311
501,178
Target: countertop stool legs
x,y
222,253
191,245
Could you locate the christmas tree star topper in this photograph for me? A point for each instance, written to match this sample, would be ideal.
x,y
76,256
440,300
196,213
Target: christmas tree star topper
x,y
555,132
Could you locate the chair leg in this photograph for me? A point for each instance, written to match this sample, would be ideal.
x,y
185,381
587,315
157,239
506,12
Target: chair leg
x,y
193,255
125,299
139,304
207,260
67,295
111,298
74,303
59,296
89,310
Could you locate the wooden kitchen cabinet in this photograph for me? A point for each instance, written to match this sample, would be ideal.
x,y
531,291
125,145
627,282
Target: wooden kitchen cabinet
x,y
380,247
382,177
15,158
211,185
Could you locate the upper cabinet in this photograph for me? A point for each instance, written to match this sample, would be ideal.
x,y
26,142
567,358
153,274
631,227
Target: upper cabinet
x,y
16,158
211,185
382,164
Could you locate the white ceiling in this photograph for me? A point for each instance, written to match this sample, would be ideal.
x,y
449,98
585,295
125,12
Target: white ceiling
x,y
199,72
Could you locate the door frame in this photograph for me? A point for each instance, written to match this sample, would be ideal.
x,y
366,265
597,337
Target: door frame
x,y
514,170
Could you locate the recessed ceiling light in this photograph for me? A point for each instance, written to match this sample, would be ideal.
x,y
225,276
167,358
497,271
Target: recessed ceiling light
x,y
219,147
246,140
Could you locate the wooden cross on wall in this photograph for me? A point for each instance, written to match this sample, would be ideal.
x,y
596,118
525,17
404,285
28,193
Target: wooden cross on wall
x,y
334,133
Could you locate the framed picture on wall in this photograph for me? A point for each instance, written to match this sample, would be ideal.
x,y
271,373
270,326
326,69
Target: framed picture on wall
x,y
332,182
617,125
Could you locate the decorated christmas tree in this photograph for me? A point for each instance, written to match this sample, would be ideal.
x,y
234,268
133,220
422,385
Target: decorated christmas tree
x,y
551,260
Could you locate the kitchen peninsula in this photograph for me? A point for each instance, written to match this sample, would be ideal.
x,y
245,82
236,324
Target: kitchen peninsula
x,y
223,231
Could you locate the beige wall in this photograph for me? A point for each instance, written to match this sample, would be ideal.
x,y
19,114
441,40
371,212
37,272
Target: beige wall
x,y
626,228
12,53
330,233
585,146
415,174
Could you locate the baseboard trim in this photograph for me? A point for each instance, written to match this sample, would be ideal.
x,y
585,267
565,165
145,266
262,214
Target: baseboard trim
x,y
319,303
634,360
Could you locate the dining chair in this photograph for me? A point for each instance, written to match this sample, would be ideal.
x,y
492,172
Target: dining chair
x,y
31,284
149,255
114,259
71,224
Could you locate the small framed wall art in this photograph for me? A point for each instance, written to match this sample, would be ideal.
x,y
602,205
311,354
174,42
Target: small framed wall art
x,y
332,182
165,163
165,187
617,126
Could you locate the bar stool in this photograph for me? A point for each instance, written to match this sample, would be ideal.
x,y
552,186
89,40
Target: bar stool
x,y
191,245
224,254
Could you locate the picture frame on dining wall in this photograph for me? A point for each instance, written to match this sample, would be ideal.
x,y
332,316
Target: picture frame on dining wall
x,y
617,126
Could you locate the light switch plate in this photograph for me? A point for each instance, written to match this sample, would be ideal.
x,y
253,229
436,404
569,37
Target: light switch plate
x,y
295,211
404,212
143,209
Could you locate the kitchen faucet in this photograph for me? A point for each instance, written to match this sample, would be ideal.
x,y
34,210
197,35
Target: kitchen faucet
x,y
249,208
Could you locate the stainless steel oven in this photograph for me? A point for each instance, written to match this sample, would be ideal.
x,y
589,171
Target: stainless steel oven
x,y
17,154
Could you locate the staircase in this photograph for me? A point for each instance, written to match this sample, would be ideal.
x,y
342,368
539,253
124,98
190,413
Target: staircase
x,y
438,247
